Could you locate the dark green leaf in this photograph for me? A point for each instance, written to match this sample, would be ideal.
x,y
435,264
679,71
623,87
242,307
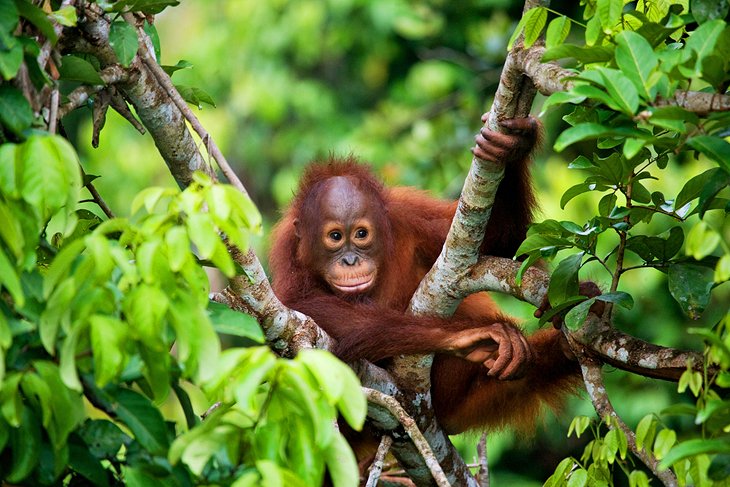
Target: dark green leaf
x,y
693,188
82,462
575,317
705,10
10,60
142,418
104,439
8,15
690,285
38,18
715,148
619,297
74,68
225,320
607,204
564,279
15,111
146,6
182,64
720,467
195,96
123,39
151,31
25,443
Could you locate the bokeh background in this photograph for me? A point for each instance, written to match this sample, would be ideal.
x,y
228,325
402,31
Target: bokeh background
x,y
402,85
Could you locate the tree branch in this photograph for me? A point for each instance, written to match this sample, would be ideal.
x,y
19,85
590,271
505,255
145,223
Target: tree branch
x,y
376,468
396,411
551,78
593,379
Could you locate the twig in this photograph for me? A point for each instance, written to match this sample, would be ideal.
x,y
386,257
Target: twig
x,y
483,475
110,75
593,379
166,83
377,466
53,112
389,403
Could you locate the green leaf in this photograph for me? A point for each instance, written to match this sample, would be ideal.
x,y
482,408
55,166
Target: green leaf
x,y
144,308
338,383
645,431
557,31
664,441
10,60
154,36
715,148
67,358
38,18
195,96
25,443
83,463
9,279
636,59
690,285
618,297
341,462
147,6
108,342
65,16
621,90
123,39
578,478
202,233
609,12
701,241
574,191
8,15
702,40
15,111
585,55
534,24
693,188
564,279
141,417
225,320
591,130
705,10
182,64
74,68
66,405
575,317
672,118
692,448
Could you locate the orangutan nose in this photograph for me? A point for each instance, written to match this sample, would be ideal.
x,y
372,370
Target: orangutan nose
x,y
350,259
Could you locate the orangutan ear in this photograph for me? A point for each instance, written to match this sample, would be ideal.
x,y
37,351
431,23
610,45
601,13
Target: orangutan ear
x,y
297,231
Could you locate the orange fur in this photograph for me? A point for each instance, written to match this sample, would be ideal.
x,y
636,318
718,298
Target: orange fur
x,y
375,326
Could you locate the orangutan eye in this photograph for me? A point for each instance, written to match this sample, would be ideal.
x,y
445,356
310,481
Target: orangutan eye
x,y
361,233
336,236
